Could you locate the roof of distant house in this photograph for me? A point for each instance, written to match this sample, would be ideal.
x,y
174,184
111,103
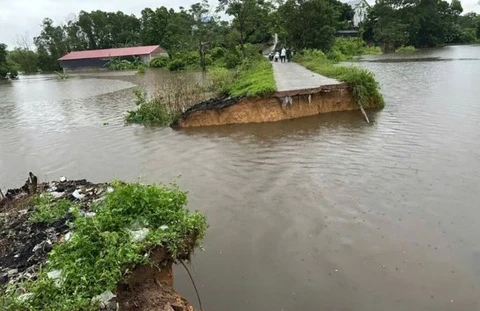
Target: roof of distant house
x,y
107,53
354,3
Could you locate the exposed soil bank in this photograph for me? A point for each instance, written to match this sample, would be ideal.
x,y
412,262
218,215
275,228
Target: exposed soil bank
x,y
277,107
25,247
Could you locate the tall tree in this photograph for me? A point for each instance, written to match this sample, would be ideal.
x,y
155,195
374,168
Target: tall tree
x,y
245,14
310,23
51,45
200,28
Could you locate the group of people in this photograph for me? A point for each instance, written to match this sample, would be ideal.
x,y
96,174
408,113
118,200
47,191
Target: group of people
x,y
284,55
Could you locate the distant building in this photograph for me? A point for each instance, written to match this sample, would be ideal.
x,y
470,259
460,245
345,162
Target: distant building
x,y
347,33
98,59
360,8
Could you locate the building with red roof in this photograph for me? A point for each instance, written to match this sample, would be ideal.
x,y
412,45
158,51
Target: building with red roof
x,y
98,59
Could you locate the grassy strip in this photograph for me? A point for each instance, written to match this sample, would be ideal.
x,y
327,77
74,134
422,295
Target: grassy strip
x,y
253,78
102,249
365,87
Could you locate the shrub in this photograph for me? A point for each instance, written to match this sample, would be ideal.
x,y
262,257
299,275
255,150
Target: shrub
x,y
365,87
150,111
191,58
232,59
160,62
176,65
221,80
217,53
405,49
336,56
141,69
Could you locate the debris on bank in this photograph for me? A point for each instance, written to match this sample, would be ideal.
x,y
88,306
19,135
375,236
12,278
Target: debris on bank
x,y
76,245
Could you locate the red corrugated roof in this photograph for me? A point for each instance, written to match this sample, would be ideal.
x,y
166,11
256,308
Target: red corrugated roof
x,y
107,53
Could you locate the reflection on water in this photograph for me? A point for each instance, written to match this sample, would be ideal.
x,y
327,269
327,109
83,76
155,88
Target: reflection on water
x,y
320,213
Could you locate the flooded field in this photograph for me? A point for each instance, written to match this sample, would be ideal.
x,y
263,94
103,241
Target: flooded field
x,y
319,213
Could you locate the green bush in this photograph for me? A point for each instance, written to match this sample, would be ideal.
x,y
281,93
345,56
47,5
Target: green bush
x,y
150,111
176,65
217,53
221,80
365,87
141,69
405,49
191,58
102,249
160,62
336,56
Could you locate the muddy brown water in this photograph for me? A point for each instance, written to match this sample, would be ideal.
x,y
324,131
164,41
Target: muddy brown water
x,y
320,213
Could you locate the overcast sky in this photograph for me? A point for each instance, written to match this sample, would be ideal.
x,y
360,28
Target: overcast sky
x,y
23,17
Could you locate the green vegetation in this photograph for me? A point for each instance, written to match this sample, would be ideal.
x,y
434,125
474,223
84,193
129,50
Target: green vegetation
x,y
365,87
405,49
420,24
151,111
194,35
253,78
123,64
130,222
48,210
7,69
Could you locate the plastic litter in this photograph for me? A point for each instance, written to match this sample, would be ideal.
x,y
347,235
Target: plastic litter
x,y
76,194
139,235
104,297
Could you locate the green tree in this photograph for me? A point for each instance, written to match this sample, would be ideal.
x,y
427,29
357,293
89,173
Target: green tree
x,y
51,44
247,14
25,60
310,23
6,68
201,29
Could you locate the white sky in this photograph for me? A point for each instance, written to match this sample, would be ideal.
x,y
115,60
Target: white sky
x,y
23,17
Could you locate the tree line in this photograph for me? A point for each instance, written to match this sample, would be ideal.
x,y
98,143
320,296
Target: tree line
x,y
299,23
420,23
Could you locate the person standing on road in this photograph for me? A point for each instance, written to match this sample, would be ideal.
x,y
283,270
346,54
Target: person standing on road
x,y
283,55
289,54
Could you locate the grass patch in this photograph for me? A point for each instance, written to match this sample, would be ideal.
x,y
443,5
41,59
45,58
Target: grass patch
x,y
103,248
405,49
49,211
365,87
254,77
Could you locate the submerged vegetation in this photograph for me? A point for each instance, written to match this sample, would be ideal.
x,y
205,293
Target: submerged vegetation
x,y
117,235
405,49
364,86
153,110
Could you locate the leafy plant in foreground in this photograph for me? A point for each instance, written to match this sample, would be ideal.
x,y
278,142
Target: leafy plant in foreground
x,y
102,249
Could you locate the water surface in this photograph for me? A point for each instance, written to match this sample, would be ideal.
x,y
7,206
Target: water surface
x,y
320,213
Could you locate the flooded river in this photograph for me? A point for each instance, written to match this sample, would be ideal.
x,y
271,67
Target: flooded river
x,y
320,213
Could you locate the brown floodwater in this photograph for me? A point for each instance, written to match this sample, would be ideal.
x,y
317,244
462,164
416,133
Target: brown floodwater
x,y
320,213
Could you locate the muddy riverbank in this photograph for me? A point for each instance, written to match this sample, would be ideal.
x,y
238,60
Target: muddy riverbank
x,y
280,106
